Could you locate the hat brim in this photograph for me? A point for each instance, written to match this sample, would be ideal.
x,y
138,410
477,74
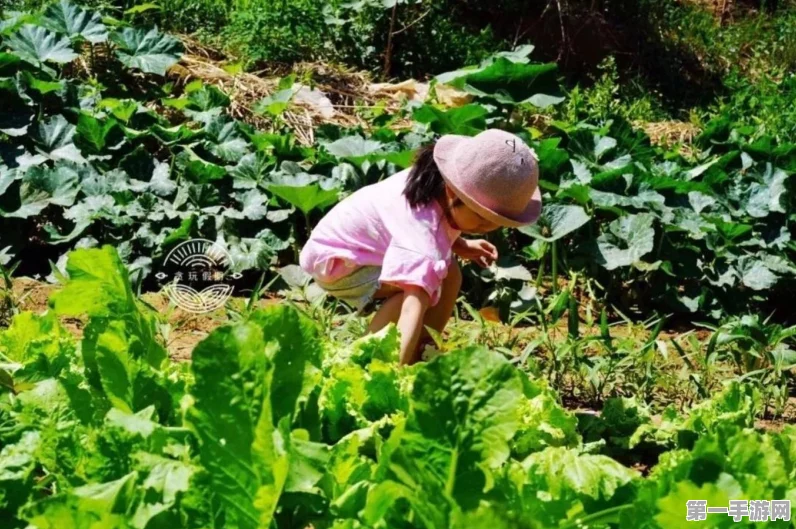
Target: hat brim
x,y
445,160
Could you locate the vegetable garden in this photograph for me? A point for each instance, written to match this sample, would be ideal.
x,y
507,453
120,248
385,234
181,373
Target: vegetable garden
x,y
285,415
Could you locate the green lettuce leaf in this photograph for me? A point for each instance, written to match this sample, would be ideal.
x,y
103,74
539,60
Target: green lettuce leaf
x,y
560,478
464,411
240,447
86,507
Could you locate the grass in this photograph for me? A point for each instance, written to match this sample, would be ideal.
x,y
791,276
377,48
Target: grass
x,y
621,359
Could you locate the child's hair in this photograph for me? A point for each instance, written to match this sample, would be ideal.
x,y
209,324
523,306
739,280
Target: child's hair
x,y
425,183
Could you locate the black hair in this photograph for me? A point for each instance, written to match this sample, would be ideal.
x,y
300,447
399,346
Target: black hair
x,y
425,183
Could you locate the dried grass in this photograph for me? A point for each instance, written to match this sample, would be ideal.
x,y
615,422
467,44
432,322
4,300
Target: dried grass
x,y
347,90
669,133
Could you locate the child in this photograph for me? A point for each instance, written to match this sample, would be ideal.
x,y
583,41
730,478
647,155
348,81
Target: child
x,y
394,240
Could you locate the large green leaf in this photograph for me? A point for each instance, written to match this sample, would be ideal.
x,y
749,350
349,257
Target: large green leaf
x,y
95,135
297,359
308,463
70,19
353,147
207,98
96,505
107,351
700,201
55,140
160,184
167,477
31,335
467,120
557,221
544,421
249,171
17,465
197,169
243,451
174,135
9,64
252,206
98,285
559,478
255,253
150,51
626,241
767,195
755,274
42,186
305,191
465,409
510,82
225,140
37,45
120,336
354,396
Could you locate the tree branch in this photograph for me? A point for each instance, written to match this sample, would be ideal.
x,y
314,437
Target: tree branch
x,y
388,52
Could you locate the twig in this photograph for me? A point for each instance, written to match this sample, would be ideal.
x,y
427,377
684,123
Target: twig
x,y
546,9
415,21
563,31
311,128
388,52
517,33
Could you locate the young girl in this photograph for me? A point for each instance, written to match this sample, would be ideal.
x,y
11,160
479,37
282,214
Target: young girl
x,y
394,240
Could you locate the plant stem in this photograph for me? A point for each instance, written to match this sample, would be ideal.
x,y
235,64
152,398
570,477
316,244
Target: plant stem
x,y
307,224
555,266
540,273
293,235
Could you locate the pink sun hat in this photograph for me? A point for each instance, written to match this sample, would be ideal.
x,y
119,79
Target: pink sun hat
x,y
494,173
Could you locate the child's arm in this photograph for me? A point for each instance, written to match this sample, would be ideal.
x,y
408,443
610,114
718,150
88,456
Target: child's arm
x,y
410,322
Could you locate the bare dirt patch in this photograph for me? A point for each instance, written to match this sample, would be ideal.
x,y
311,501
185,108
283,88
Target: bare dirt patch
x,y
183,329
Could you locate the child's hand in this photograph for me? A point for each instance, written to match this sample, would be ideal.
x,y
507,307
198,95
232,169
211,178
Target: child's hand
x,y
479,251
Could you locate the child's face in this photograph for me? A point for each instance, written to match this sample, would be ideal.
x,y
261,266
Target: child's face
x,y
465,219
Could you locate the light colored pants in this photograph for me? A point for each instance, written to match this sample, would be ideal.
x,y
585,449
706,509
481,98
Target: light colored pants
x,y
357,288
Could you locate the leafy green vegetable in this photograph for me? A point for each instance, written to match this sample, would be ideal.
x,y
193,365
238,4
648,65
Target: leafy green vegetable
x,y
241,447
628,239
37,45
566,477
69,19
467,120
556,222
305,191
464,412
150,51
55,137
273,424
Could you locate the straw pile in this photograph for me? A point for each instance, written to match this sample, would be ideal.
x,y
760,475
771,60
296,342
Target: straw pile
x,y
349,92
669,133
